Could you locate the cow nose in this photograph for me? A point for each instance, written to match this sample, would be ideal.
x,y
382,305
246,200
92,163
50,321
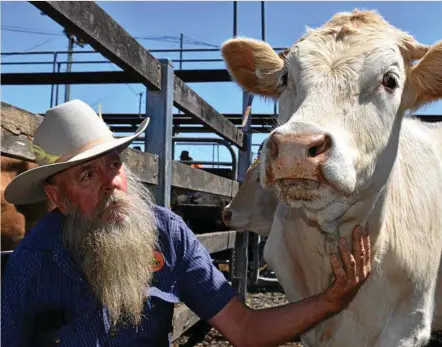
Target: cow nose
x,y
298,155
227,216
307,145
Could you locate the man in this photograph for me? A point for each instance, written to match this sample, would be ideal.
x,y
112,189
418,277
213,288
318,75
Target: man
x,y
106,267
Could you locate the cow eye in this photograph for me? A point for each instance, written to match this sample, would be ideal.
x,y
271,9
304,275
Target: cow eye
x,y
284,79
389,81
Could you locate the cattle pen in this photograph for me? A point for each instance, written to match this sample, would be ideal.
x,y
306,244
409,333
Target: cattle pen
x,y
155,167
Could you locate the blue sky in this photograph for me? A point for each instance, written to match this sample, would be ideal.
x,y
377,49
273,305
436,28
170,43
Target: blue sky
x,y
207,22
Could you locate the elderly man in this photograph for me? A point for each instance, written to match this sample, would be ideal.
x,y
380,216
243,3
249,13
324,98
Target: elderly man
x,y
106,267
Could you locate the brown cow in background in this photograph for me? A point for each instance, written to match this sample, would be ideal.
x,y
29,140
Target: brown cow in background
x,y
17,219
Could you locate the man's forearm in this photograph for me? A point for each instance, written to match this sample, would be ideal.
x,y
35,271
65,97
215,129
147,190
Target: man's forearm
x,y
277,325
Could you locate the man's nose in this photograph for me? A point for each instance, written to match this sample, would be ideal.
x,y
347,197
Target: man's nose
x,y
298,155
112,180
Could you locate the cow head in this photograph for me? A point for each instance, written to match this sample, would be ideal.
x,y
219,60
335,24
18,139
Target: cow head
x,y
253,207
343,89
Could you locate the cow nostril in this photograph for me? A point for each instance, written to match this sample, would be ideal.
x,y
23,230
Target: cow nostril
x,y
320,146
227,216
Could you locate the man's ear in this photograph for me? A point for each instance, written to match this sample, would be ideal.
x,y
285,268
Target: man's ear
x,y
425,78
55,196
254,65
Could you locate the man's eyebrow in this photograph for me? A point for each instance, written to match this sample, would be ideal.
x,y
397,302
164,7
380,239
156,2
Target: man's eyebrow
x,y
84,167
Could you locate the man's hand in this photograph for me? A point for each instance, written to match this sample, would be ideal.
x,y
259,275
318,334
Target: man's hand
x,y
357,267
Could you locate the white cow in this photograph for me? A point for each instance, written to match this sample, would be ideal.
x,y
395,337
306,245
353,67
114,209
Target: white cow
x,y
345,155
253,208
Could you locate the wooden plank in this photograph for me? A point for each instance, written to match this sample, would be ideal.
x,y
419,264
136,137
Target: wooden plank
x,y
90,22
218,241
183,319
107,77
17,130
143,164
187,177
186,100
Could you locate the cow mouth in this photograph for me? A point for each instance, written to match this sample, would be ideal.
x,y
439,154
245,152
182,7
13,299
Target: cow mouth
x,y
298,189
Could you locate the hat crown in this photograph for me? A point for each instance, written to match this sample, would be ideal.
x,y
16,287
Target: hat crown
x,y
67,130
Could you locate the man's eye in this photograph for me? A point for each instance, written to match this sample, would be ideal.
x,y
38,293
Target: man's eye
x,y
86,176
116,164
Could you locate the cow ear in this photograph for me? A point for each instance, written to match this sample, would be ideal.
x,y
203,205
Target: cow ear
x,y
255,66
425,78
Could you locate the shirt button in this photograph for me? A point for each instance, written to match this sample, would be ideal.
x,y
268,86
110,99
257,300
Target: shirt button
x,y
57,340
113,333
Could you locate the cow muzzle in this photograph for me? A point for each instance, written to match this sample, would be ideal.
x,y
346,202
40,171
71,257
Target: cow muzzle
x,y
227,216
297,157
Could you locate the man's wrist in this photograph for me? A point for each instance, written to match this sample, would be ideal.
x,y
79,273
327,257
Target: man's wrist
x,y
330,307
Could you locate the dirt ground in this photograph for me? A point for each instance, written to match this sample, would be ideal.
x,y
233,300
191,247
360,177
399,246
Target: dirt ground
x,y
211,337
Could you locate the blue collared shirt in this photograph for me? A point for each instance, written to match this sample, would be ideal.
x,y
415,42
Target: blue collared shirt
x,y
42,285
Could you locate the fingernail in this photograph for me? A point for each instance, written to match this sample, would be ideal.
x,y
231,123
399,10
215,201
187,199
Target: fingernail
x,y
334,258
343,242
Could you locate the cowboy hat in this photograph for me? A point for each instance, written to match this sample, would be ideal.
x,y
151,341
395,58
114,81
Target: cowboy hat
x,y
70,133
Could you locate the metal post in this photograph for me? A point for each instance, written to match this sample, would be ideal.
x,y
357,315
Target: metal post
x,y
159,107
235,18
263,21
54,63
181,51
256,240
244,155
242,238
139,104
56,87
67,91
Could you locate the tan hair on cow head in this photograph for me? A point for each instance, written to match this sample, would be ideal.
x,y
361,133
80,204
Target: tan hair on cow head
x,y
256,67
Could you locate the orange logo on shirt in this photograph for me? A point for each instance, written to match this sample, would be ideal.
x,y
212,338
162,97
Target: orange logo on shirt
x,y
158,261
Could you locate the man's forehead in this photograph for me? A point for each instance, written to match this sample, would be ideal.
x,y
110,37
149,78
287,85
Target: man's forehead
x,y
97,161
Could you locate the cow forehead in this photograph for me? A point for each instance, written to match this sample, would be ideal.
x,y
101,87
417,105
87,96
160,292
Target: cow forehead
x,y
329,57
344,43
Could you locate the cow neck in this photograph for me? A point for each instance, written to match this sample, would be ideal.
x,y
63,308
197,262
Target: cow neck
x,y
368,209
367,212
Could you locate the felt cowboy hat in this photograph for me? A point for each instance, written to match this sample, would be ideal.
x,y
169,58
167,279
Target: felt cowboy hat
x,y
70,133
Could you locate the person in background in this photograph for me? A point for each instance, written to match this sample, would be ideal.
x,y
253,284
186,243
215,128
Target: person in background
x,y
186,157
107,265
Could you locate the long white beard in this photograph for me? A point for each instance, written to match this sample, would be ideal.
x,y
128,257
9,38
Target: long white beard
x,y
116,257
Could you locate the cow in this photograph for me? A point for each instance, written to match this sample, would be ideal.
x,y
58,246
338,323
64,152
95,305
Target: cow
x,y
16,220
253,209
347,152
241,216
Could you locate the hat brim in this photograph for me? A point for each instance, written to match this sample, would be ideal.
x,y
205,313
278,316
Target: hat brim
x,y
28,187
